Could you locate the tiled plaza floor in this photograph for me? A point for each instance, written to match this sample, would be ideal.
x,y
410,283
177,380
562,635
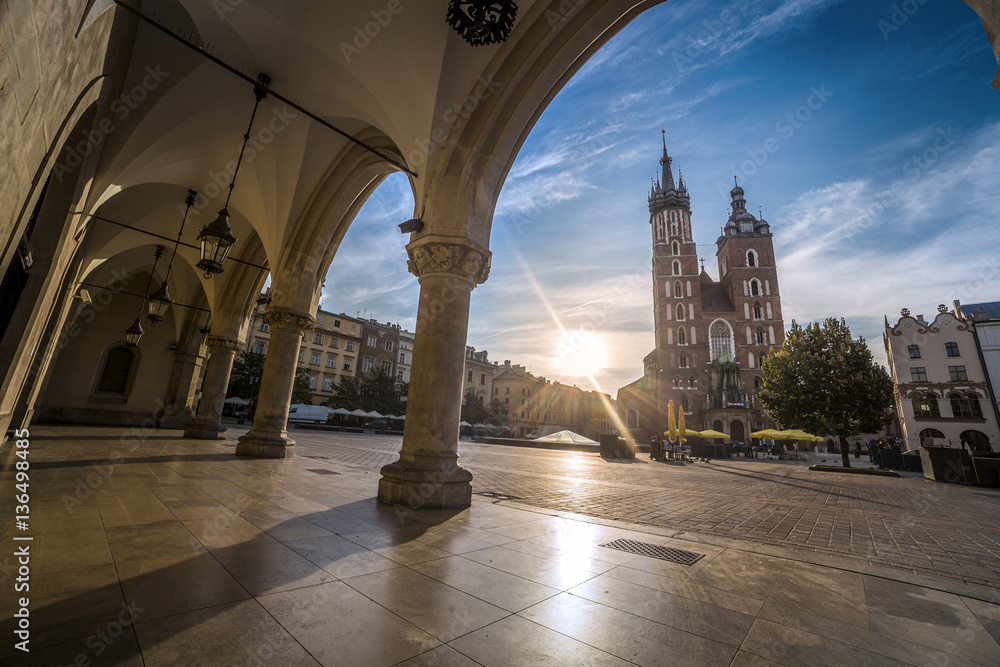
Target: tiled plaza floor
x,y
157,550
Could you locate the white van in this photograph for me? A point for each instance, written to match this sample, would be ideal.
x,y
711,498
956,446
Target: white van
x,y
308,414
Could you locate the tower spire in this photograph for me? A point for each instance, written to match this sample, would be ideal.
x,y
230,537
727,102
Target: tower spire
x,y
668,175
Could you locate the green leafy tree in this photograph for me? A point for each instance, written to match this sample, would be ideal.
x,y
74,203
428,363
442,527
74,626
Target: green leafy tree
x,y
473,410
380,393
244,381
301,393
345,394
497,413
825,382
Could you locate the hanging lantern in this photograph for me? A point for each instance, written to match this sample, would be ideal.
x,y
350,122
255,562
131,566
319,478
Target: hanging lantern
x,y
159,301
482,22
216,241
133,334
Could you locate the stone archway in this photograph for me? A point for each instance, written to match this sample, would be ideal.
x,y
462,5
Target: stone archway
x,y
737,433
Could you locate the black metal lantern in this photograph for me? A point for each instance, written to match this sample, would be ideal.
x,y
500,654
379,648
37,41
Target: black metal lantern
x,y
159,301
482,22
216,241
133,334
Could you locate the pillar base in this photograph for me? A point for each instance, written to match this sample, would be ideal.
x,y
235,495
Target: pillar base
x,y
266,446
205,430
426,481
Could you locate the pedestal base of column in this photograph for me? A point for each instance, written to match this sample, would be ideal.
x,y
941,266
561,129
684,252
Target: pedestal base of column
x,y
176,417
266,445
426,481
205,430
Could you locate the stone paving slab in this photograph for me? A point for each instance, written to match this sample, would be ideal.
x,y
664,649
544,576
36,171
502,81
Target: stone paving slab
x,y
156,550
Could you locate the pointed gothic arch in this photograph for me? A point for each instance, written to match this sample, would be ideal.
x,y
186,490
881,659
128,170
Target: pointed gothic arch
x,y
721,342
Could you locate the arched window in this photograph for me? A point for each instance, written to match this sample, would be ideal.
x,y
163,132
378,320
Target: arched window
x,y
691,382
751,258
681,336
678,290
929,435
754,287
684,404
116,370
720,337
673,216
756,382
632,418
965,406
761,338
926,406
758,311
675,248
677,268
684,361
681,312
677,383
750,360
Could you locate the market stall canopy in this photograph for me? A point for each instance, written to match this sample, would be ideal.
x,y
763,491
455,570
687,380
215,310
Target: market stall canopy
x,y
713,434
359,413
798,434
567,437
236,400
465,423
375,415
767,434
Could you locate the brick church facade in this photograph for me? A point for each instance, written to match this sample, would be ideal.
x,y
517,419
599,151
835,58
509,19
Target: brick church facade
x,y
711,336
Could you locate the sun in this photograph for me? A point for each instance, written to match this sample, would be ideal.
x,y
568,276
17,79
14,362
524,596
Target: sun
x,y
581,353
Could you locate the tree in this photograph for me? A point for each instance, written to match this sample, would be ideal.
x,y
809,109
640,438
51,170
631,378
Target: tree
x,y
497,413
301,393
345,394
825,382
244,380
473,410
380,393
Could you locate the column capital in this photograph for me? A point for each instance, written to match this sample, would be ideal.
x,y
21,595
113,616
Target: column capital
x,y
220,343
457,257
290,320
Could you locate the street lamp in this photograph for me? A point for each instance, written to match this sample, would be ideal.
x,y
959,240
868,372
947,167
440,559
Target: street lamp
x,y
134,332
160,301
217,238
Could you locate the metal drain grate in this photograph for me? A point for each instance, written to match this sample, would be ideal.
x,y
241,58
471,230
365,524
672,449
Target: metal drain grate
x,y
322,471
498,496
655,551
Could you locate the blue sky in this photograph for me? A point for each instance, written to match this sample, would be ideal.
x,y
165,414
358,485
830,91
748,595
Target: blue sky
x,y
873,152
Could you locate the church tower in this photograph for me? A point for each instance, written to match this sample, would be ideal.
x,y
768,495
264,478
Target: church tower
x,y
676,286
748,273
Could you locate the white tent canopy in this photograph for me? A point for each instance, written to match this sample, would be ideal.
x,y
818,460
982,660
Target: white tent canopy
x,y
359,413
236,400
341,411
567,437
375,415
464,423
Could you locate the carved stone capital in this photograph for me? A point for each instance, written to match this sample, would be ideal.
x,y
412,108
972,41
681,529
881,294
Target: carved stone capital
x,y
219,343
289,320
454,258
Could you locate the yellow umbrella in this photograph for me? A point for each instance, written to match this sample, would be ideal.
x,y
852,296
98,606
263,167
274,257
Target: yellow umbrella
x,y
680,426
768,434
713,434
671,423
798,434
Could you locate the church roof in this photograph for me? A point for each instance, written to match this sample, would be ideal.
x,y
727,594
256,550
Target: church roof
x,y
715,299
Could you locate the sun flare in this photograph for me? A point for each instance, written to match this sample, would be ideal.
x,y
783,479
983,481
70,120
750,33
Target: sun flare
x,y
581,353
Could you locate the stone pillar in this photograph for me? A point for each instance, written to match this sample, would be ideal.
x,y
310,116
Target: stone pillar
x,y
268,437
207,425
427,474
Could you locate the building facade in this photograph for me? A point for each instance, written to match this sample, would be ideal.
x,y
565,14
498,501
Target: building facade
x,y
941,392
535,404
328,353
711,336
985,321
478,375
379,348
403,364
